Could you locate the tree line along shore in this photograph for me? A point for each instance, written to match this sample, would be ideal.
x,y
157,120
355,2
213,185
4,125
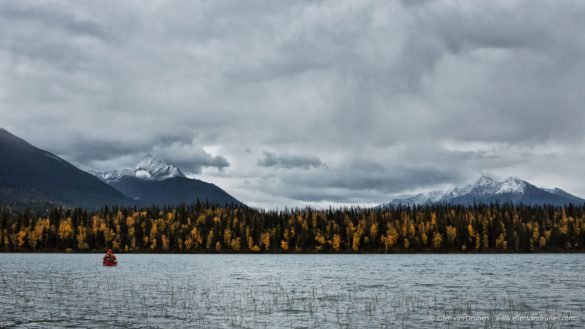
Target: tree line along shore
x,y
203,228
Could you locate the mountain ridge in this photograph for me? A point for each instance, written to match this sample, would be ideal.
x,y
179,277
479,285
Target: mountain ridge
x,y
490,190
148,168
30,176
156,181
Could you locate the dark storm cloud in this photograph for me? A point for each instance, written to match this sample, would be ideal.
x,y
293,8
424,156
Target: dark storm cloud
x,y
393,96
381,180
365,185
289,161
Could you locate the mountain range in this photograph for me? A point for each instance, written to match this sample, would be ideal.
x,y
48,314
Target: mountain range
x,y
155,181
490,190
34,178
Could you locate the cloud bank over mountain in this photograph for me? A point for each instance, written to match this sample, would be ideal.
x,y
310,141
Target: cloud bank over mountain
x,y
288,103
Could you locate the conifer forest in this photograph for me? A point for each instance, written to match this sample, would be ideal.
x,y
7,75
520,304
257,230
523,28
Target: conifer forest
x,y
203,228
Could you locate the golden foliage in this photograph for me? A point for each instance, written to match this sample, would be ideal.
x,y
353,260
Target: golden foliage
x,y
486,228
284,245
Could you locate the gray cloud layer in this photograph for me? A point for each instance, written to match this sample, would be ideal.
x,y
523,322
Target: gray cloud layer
x,y
289,161
393,96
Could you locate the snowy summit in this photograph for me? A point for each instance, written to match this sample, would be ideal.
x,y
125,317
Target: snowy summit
x,y
151,168
489,190
148,168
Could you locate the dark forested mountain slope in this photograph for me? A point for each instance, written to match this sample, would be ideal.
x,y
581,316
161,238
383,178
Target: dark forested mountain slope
x,y
30,176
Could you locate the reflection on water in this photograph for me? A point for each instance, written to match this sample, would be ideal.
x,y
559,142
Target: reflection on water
x,y
293,291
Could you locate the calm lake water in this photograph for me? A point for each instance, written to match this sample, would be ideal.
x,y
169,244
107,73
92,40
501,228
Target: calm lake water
x,y
293,291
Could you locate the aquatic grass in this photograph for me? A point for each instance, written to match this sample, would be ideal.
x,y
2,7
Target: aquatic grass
x,y
197,296
58,301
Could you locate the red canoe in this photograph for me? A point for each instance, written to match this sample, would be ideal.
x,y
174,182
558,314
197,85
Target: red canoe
x,y
110,263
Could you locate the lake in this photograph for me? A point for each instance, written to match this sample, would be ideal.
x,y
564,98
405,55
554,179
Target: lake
x,y
293,291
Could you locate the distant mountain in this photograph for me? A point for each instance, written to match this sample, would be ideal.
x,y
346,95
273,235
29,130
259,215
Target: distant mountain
x,y
148,168
558,192
421,198
489,190
31,177
155,181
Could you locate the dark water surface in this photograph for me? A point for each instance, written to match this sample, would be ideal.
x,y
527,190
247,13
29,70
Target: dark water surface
x,y
293,291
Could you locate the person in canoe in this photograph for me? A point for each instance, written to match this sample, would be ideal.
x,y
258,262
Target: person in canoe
x,y
110,259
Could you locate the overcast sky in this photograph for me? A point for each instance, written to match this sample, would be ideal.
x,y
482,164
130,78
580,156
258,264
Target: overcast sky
x,y
304,102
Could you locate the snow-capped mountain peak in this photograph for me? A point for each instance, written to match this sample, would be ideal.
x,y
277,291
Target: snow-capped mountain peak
x,y
148,168
487,189
420,198
485,181
511,185
485,186
457,191
151,168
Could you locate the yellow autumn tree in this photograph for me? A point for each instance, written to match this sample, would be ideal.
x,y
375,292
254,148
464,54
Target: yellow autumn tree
x,y
374,232
81,238
65,229
336,242
21,238
153,235
284,245
437,240
227,236
236,244
265,241
209,242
